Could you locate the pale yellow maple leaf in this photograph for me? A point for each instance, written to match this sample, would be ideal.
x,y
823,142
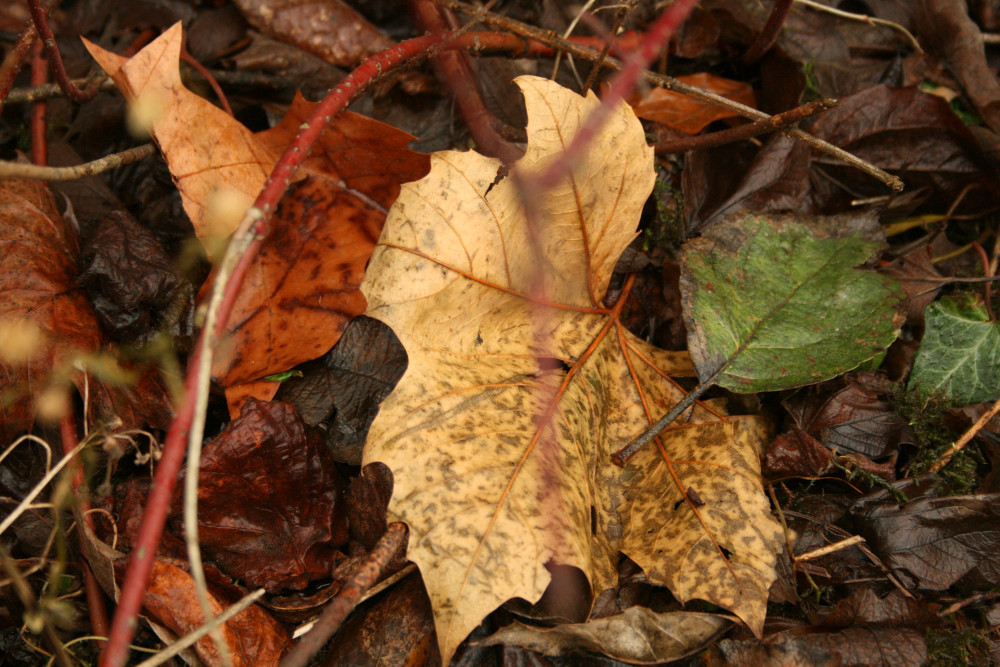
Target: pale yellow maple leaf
x,y
521,384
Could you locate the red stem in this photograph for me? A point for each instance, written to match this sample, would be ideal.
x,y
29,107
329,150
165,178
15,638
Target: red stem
x,y
96,606
39,15
456,70
15,60
39,145
769,33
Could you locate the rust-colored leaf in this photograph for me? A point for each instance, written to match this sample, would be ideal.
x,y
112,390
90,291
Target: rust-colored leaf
x,y
46,321
688,114
252,636
302,287
500,432
266,497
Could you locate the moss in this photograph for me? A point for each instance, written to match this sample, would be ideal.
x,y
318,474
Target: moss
x,y
950,648
928,418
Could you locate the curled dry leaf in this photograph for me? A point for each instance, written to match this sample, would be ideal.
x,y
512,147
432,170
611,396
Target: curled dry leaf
x,y
638,636
500,432
46,320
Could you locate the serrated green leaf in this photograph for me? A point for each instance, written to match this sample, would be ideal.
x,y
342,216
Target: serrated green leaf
x,y
960,353
770,306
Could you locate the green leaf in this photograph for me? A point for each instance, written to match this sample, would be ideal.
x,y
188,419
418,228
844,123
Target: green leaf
x,y
960,353
769,305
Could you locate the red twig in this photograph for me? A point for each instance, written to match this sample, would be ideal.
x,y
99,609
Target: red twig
x,y
456,70
39,15
657,35
340,607
39,144
96,607
15,60
769,33
201,69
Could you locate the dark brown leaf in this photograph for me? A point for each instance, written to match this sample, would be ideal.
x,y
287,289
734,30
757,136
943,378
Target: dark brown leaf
x,y
853,419
129,278
914,135
329,29
872,646
396,628
266,499
862,607
932,543
348,385
945,28
917,275
367,500
798,454
774,180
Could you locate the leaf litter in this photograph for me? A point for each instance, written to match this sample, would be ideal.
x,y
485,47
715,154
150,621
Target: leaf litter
x,y
685,500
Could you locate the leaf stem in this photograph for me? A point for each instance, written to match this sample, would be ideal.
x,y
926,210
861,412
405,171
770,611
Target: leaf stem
x,y
622,456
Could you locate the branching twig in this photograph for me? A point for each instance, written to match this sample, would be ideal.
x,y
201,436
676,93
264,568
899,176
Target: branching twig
x,y
775,122
40,17
113,161
673,84
340,607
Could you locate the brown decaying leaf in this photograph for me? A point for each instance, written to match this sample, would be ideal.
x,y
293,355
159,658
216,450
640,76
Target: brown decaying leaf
x,y
944,26
217,164
252,636
500,432
396,628
329,29
919,278
42,307
687,114
911,133
38,255
871,646
856,418
792,653
344,389
266,499
798,454
774,179
932,543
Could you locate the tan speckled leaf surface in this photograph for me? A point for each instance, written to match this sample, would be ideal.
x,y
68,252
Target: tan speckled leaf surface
x,y
500,432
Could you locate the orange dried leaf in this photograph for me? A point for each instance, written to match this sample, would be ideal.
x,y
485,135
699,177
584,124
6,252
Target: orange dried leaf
x,y
217,163
302,287
500,433
687,114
